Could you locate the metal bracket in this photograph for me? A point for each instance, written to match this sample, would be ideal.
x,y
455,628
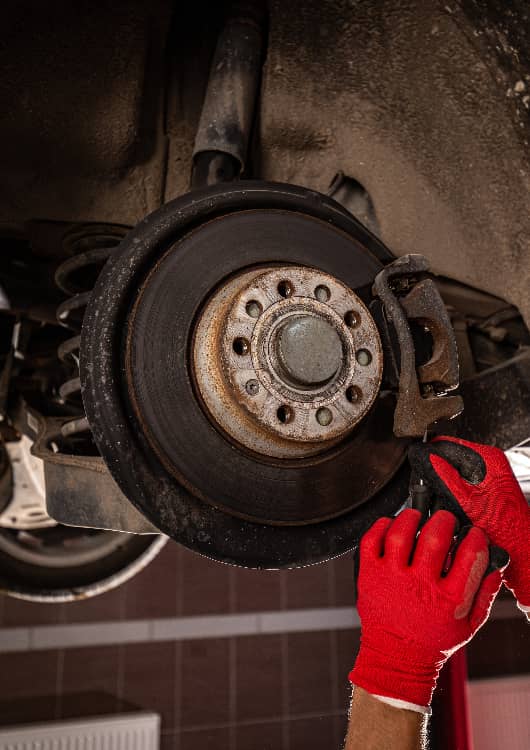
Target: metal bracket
x,y
27,506
408,294
80,490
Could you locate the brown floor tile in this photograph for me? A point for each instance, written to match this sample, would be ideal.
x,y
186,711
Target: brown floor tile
x,y
205,739
205,585
28,675
312,734
261,736
347,648
153,592
343,585
90,670
501,647
101,608
149,671
256,590
17,612
205,682
310,679
258,677
308,587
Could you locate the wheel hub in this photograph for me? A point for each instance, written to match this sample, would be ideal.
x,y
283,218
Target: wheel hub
x,y
287,360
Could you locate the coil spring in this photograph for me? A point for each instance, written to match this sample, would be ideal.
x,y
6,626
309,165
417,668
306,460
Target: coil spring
x,y
89,247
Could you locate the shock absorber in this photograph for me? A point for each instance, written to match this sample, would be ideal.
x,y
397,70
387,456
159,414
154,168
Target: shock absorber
x,y
89,247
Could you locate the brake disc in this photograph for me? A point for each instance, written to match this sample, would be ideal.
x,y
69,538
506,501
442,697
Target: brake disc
x,y
231,373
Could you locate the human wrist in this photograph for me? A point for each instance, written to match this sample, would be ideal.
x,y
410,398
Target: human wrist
x,y
401,672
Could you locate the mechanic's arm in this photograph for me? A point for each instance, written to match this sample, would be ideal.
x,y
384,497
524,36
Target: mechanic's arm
x,y
375,725
415,611
477,484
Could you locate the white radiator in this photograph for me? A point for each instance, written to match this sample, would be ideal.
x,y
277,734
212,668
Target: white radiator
x,y
140,731
500,713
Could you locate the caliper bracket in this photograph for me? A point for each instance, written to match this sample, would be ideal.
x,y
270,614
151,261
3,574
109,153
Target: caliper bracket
x,y
407,294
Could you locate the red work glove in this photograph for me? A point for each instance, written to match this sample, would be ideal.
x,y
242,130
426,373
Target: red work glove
x,y
477,483
412,616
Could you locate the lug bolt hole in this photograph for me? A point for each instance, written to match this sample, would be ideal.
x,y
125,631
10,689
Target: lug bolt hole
x,y
241,346
322,293
285,414
324,416
363,357
353,394
285,288
352,319
253,308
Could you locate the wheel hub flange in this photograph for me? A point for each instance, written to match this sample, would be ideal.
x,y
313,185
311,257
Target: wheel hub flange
x,y
287,360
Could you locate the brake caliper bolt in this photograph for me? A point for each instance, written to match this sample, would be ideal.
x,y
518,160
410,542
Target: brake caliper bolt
x,y
324,416
352,319
322,293
252,387
253,308
363,357
241,346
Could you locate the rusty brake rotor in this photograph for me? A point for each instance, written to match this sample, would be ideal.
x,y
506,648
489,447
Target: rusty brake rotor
x,y
231,374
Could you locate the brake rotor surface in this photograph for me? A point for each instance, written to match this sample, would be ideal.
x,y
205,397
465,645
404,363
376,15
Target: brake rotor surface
x,y
243,420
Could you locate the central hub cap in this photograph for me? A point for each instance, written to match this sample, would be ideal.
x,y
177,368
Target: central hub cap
x,y
309,350
287,360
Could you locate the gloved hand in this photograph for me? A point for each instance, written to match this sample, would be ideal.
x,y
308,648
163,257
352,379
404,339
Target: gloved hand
x,y
412,616
477,484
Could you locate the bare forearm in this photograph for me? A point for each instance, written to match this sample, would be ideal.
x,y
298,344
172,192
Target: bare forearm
x,y
375,725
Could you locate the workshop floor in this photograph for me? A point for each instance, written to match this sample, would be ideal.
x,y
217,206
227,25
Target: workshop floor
x,y
283,690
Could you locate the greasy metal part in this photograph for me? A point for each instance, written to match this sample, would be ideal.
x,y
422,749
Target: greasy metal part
x,y
356,199
497,405
228,110
79,489
422,304
34,584
416,412
287,356
27,506
57,563
191,478
91,245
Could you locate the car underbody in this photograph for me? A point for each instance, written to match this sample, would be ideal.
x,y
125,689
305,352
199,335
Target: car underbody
x,y
248,253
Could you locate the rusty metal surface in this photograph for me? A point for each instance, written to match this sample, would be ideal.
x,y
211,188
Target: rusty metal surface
x,y
249,394
422,305
80,490
417,411
229,104
192,492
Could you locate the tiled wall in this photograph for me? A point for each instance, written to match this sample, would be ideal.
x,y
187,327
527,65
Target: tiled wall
x,y
276,690
285,691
